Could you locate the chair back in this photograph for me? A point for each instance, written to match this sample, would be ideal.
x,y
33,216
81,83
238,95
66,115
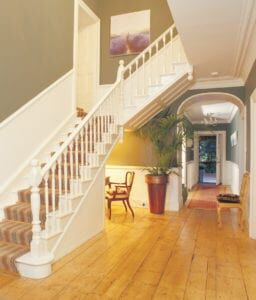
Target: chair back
x,y
129,177
244,190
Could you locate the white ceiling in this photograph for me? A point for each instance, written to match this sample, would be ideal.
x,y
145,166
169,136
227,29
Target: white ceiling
x,y
200,109
213,33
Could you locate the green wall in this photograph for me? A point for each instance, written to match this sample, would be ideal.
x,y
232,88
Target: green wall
x,y
160,20
233,152
36,48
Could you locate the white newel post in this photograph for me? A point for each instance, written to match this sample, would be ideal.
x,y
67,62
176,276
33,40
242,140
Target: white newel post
x,y
120,70
37,263
36,246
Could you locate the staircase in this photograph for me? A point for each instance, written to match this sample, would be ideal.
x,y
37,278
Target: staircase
x,y
47,220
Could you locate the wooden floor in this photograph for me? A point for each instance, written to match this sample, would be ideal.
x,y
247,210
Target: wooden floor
x,y
175,256
203,196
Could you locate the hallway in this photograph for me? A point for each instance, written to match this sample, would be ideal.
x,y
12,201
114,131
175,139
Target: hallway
x,y
203,196
174,256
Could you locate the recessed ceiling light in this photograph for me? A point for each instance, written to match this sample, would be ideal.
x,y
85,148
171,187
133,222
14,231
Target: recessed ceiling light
x,y
215,73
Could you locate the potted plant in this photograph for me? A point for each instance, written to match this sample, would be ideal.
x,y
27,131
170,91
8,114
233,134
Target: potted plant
x,y
167,133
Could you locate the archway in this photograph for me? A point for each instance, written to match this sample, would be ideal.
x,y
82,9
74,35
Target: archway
x,y
227,167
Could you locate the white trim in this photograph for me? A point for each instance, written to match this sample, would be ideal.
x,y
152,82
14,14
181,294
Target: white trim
x,y
208,83
247,23
234,111
252,206
229,97
34,100
79,4
223,150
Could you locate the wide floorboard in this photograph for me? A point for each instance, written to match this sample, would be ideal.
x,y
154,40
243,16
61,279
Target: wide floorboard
x,y
174,256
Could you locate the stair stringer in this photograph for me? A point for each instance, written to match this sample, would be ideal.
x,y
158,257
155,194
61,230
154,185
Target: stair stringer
x,y
137,115
88,217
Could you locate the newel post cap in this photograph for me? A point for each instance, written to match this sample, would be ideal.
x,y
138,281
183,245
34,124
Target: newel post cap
x,y
120,69
35,177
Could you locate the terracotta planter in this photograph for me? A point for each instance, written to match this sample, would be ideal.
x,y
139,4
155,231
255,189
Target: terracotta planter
x,y
156,192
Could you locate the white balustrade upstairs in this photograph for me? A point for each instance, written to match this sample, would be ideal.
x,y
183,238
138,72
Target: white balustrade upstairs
x,y
145,71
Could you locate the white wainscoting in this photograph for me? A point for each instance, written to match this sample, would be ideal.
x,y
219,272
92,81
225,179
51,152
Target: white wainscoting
x,y
192,174
139,193
29,129
232,176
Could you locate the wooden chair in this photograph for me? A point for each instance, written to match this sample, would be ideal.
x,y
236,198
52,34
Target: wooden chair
x,y
120,192
235,201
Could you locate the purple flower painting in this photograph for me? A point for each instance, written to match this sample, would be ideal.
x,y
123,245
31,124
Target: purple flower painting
x,y
130,33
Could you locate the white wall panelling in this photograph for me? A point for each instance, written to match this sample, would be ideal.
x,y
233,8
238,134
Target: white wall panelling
x,y
192,174
139,193
30,129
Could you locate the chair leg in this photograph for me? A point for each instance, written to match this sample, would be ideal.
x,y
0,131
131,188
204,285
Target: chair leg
x,y
219,216
129,205
109,209
241,221
125,206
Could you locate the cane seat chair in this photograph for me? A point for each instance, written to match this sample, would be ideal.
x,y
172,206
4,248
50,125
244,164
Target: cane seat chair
x,y
235,201
117,191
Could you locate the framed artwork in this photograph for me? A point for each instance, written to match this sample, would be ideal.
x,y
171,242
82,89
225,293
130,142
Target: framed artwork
x,y
130,33
233,138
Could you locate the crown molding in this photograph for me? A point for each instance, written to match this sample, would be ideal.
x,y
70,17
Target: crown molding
x,y
207,83
245,36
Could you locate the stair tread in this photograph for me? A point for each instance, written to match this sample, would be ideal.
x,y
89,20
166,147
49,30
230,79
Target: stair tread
x,y
8,254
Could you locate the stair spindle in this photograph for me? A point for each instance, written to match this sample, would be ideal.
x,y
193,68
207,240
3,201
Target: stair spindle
x,y
65,180
60,167
76,159
53,216
46,200
82,146
71,163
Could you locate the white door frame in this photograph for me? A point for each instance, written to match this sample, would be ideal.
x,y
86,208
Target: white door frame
x,y
252,203
216,133
80,5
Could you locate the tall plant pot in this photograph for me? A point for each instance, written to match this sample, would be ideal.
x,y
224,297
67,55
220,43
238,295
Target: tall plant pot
x,y
156,192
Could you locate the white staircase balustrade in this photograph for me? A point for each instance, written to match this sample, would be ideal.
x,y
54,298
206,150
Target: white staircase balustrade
x,y
62,179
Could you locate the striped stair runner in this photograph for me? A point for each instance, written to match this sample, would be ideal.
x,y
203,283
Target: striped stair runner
x,y
16,229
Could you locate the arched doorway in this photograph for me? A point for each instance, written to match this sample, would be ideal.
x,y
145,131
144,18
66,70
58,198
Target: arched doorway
x,y
202,106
